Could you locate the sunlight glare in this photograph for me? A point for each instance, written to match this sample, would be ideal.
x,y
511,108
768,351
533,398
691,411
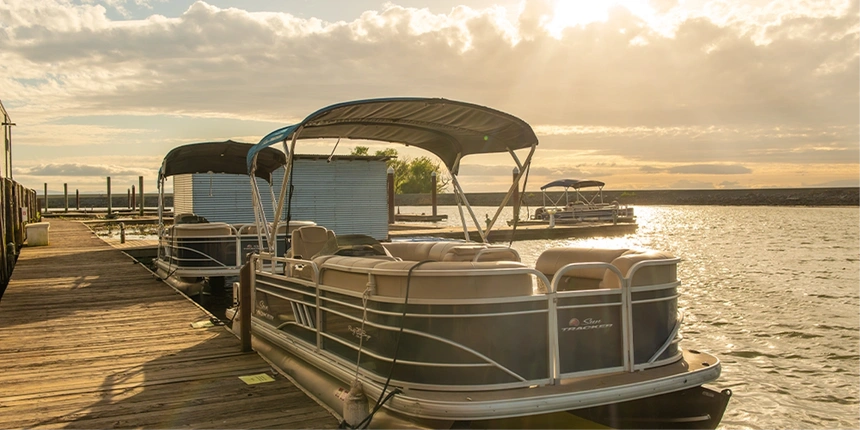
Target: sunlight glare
x,y
571,13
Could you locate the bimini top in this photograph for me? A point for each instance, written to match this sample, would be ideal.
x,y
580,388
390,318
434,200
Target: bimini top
x,y
449,129
219,157
573,183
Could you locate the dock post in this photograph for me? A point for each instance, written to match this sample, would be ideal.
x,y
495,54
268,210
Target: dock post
x,y
122,232
391,195
140,181
433,191
129,192
77,200
133,198
108,194
245,305
515,198
46,197
66,197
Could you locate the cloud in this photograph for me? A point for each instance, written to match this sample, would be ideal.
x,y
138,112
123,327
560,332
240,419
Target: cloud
x,y
710,169
699,169
79,170
731,84
691,185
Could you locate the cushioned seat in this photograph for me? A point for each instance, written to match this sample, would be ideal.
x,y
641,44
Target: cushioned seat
x,y
282,227
449,251
553,259
308,241
648,275
471,280
202,230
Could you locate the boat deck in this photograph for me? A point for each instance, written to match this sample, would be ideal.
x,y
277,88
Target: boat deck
x,y
90,339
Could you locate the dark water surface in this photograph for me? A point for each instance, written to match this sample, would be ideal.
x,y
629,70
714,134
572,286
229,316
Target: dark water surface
x,y
774,292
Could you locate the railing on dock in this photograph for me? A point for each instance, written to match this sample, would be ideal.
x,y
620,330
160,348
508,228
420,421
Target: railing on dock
x,y
20,207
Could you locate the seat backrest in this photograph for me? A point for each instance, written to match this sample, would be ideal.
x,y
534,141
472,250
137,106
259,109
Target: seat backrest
x,y
202,230
649,275
308,241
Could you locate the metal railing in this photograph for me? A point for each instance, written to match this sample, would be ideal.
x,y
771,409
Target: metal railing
x,y
308,314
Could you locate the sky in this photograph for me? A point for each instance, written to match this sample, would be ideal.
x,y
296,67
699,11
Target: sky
x,y
640,94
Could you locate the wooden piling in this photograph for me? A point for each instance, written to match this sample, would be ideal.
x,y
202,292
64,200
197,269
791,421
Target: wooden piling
x,y
245,305
108,196
140,180
391,195
433,191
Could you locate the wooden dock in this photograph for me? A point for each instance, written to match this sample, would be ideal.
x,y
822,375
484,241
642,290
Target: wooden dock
x,y
90,339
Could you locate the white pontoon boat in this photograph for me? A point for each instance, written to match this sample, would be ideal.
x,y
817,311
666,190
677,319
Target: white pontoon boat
x,y
195,253
443,334
580,205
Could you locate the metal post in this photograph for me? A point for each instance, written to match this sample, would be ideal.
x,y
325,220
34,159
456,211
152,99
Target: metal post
x,y
515,203
66,197
433,191
108,196
140,180
245,305
391,195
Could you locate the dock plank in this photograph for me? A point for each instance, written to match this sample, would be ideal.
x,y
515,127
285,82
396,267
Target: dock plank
x,y
90,339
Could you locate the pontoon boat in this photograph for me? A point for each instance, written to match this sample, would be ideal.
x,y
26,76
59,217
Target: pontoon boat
x,y
443,334
195,253
580,205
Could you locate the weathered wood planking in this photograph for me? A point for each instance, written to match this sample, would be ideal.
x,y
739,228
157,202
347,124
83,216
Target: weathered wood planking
x,y
90,339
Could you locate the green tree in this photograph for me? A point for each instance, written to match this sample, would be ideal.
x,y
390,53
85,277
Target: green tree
x,y
410,175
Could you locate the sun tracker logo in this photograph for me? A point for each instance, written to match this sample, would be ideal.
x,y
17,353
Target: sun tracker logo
x,y
587,324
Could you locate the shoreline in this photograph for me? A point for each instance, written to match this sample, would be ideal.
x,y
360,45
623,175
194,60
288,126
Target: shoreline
x,y
843,196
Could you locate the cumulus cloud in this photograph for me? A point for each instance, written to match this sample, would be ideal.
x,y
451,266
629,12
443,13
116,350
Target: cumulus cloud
x,y
732,84
79,170
700,169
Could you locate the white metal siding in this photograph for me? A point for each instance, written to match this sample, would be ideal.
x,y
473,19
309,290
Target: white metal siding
x,y
182,194
347,196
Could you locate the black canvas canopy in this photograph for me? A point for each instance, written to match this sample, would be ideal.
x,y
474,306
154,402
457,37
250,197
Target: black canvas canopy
x,y
449,129
573,183
220,157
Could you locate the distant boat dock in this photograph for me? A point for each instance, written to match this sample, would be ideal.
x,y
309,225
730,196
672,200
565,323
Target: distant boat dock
x,y
90,339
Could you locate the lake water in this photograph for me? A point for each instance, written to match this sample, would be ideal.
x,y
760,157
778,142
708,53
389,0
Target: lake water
x,y
774,292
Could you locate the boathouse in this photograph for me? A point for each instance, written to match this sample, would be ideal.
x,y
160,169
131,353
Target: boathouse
x,y
344,193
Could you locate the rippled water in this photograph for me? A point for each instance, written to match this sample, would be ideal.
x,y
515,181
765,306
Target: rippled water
x,y
774,292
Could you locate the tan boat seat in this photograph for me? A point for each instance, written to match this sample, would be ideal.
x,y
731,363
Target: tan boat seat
x,y
282,227
648,275
473,279
553,259
449,251
481,253
202,230
308,241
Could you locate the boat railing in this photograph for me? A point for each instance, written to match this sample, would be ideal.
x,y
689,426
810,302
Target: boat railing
x,y
212,255
307,296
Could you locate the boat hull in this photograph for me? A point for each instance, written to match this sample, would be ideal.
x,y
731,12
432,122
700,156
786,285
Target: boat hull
x,y
693,408
686,405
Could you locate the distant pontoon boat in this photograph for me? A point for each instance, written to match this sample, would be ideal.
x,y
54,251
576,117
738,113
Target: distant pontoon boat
x,y
579,205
